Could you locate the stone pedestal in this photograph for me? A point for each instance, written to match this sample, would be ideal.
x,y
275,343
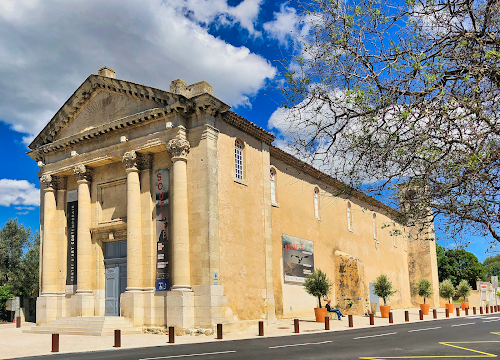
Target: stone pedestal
x,y
82,305
208,301
132,306
49,307
180,309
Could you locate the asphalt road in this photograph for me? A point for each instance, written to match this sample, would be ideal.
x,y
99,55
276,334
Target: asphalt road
x,y
458,338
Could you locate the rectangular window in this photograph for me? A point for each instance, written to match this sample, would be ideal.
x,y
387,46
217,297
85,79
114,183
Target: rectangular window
x,y
238,160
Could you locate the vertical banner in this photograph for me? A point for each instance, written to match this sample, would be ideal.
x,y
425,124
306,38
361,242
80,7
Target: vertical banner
x,y
298,258
162,266
72,225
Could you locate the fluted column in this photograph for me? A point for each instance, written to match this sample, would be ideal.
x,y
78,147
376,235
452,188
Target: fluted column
x,y
178,149
84,239
135,271
61,183
49,263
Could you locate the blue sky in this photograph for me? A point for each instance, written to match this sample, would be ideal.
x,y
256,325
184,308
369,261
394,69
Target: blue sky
x,y
49,47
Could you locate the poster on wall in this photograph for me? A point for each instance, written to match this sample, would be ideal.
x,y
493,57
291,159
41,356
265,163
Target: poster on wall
x,y
298,258
162,265
72,226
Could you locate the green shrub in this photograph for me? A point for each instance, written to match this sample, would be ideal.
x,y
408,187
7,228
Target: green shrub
x,y
423,288
317,284
446,290
383,288
464,289
5,293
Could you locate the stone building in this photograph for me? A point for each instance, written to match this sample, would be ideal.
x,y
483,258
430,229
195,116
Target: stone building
x,y
167,208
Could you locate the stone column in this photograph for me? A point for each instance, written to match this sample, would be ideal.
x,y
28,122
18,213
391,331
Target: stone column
x,y
61,183
178,149
84,295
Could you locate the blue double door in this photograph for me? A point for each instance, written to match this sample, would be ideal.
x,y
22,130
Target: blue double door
x,y
115,264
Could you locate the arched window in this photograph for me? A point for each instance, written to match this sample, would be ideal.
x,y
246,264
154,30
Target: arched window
x,y
238,159
349,216
273,185
375,226
316,203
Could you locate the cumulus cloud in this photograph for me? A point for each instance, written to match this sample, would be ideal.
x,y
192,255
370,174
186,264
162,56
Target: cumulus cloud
x,y
284,24
19,192
49,47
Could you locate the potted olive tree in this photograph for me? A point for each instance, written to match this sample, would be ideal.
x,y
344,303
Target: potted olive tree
x,y
423,288
317,284
446,291
382,287
464,290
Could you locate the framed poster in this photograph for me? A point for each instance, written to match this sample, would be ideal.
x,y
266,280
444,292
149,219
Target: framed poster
x,y
72,226
162,280
298,258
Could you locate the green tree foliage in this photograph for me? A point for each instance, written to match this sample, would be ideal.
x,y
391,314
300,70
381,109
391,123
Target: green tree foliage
x,y
491,266
5,293
385,92
423,288
317,284
446,290
464,289
382,287
458,264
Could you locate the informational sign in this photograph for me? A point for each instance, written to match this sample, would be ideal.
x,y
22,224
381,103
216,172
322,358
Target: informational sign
x,y
72,226
162,265
484,287
298,258
494,282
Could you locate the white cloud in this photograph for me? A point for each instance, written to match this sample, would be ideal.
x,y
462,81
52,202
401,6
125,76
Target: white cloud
x,y
284,24
24,208
19,192
48,48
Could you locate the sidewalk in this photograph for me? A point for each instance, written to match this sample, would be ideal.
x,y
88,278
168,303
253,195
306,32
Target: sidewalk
x,y
14,343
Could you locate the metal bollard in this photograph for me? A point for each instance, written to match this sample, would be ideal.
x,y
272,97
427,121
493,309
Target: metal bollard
x,y
407,316
391,319
118,338
481,310
474,310
447,312
421,314
350,321
219,331
18,322
327,323
296,325
466,311
171,335
434,314
372,322
458,311
55,342
261,328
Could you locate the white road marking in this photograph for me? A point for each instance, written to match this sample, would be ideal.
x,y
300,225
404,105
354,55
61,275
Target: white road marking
x,y
282,346
370,336
188,355
439,327
487,321
463,324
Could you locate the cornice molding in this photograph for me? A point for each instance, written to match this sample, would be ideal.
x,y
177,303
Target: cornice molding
x,y
249,127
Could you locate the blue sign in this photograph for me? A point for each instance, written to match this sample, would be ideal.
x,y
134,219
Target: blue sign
x,y
162,285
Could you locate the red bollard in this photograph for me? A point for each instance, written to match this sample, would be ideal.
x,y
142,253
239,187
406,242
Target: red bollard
x,y
261,328
458,311
466,311
487,309
18,322
407,316
219,331
118,338
351,324
447,312
491,309
421,314
474,310
327,323
372,321
171,335
391,320
481,310
434,314
55,342
296,325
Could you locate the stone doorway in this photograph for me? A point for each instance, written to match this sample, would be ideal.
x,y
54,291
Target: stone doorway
x,y
115,264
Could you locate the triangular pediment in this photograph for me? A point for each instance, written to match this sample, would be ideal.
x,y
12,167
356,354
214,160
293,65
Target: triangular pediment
x,y
104,108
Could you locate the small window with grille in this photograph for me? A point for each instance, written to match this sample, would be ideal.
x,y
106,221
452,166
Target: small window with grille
x,y
238,159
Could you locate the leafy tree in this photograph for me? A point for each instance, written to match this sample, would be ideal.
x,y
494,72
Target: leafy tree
x,y
5,293
491,266
464,289
424,288
25,281
13,241
402,92
317,284
446,290
457,264
382,287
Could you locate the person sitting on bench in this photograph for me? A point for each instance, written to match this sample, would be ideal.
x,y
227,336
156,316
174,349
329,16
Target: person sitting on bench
x,y
330,309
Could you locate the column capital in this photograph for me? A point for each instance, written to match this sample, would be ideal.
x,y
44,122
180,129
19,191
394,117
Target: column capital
x,y
137,161
82,172
46,182
178,148
61,182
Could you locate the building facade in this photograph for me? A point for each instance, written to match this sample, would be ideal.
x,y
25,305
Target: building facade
x,y
167,208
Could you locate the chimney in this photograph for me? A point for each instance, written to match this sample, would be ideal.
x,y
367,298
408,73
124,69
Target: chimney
x,y
106,71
